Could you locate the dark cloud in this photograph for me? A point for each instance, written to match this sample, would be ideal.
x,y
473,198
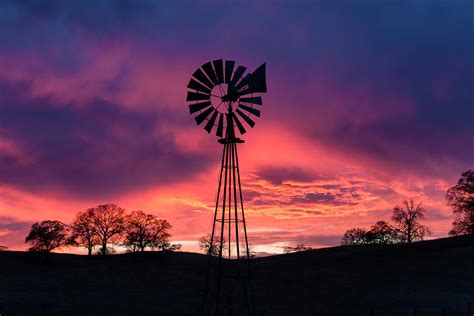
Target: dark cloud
x,y
12,224
295,237
322,198
250,195
13,231
316,239
435,214
98,150
277,175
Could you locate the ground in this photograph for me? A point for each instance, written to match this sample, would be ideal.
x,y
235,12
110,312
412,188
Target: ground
x,y
417,279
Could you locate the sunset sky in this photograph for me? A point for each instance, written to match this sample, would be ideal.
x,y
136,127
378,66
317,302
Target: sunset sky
x,y
369,103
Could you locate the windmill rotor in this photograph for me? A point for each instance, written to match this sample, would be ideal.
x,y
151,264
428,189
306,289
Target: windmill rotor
x,y
221,97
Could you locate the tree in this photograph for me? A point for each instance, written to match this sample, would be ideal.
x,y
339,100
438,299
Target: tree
x,y
146,230
383,233
206,247
461,198
3,248
354,236
84,232
109,224
47,236
243,251
297,248
407,217
170,247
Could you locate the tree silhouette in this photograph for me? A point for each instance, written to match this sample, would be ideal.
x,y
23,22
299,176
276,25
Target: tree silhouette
x,y
47,236
461,198
383,233
167,246
297,248
407,216
146,230
205,244
83,231
109,224
3,248
354,236
243,251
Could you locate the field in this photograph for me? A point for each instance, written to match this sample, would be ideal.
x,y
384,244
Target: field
x,y
424,278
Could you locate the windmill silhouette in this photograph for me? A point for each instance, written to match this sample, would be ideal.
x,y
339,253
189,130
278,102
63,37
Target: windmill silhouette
x,y
221,97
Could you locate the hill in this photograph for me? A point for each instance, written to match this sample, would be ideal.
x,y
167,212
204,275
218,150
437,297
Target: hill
x,y
419,278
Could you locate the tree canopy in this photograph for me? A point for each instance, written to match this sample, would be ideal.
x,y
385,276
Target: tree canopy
x,y
146,230
47,236
461,198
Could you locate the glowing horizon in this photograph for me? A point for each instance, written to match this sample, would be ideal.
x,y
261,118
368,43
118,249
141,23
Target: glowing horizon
x,y
362,112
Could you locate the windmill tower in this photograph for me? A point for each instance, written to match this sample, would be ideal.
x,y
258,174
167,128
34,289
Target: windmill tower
x,y
221,97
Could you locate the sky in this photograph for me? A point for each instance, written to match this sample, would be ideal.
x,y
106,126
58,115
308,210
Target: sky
x,y
369,103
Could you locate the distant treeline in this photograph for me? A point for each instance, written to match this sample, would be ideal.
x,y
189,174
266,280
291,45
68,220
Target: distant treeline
x,y
406,217
104,226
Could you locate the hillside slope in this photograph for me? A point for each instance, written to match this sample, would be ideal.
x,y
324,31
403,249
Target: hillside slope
x,y
383,280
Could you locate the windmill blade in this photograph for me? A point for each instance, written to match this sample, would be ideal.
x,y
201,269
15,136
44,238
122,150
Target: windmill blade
x,y
193,84
238,74
239,125
210,73
229,68
250,109
219,68
210,123
246,118
254,100
201,117
194,107
196,96
220,126
199,75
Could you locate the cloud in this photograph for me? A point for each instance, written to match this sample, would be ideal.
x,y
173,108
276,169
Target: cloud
x,y
13,231
324,198
278,175
98,150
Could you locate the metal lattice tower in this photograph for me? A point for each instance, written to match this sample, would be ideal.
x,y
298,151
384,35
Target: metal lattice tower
x,y
221,93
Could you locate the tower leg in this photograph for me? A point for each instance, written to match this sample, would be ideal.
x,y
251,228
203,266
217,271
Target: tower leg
x,y
228,287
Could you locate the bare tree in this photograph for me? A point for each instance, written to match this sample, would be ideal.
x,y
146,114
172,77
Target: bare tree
x,y
207,247
297,248
47,236
407,217
146,230
354,236
243,251
109,224
83,231
461,198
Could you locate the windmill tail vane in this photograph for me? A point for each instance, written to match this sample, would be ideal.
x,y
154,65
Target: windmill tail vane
x,y
223,98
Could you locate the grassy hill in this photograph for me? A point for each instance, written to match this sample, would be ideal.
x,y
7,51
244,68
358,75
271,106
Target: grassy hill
x,y
415,279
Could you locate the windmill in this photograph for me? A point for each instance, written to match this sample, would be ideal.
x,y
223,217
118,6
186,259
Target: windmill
x,y
223,98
